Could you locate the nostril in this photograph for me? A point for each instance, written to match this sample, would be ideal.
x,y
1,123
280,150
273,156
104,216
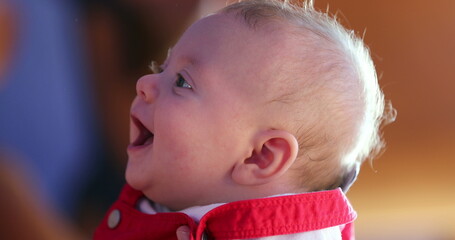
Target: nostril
x,y
146,88
142,95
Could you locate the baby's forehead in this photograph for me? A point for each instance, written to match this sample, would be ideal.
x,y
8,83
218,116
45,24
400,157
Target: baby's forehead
x,y
269,58
225,36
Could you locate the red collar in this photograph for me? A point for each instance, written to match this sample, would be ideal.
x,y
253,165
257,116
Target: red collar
x,y
236,220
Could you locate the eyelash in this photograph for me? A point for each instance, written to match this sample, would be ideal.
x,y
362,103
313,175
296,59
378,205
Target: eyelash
x,y
155,67
180,82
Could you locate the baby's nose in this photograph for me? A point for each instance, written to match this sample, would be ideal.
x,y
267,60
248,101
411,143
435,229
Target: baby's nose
x,y
146,88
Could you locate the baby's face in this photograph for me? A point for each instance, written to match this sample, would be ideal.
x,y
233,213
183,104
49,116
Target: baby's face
x,y
193,121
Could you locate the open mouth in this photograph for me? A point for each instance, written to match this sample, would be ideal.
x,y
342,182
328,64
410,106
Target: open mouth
x,y
145,136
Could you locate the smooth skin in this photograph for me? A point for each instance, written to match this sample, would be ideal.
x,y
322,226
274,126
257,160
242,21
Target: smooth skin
x,y
209,108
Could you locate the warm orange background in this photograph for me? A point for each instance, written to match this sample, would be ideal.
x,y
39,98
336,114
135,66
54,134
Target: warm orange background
x,y
410,191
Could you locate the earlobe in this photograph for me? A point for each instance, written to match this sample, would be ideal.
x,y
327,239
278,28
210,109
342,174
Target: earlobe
x,y
274,152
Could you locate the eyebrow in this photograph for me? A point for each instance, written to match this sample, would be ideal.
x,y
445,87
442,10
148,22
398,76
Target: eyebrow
x,y
185,58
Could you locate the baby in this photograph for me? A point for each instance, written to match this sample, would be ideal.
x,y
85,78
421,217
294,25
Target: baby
x,y
253,127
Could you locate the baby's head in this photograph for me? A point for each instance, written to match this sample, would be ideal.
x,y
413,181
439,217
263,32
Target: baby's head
x,y
259,99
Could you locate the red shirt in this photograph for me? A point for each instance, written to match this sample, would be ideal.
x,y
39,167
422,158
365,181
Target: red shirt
x,y
253,218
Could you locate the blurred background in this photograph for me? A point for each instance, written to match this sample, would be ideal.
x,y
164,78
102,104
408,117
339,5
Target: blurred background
x,y
67,74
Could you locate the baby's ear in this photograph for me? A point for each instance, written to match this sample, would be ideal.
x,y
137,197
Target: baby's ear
x,y
274,152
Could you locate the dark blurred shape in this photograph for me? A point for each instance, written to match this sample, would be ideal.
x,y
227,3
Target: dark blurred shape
x,y
124,37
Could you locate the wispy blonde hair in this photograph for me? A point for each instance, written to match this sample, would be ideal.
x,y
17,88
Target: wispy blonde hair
x,y
342,63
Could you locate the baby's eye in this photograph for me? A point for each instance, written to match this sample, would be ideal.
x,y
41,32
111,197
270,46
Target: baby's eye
x,y
181,82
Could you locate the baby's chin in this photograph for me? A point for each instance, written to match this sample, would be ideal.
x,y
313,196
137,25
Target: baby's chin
x,y
155,195
134,180
161,200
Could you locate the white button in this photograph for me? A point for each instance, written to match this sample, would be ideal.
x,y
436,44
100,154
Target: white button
x,y
113,219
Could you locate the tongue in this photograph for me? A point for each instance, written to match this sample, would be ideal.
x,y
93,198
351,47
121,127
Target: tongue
x,y
145,138
149,140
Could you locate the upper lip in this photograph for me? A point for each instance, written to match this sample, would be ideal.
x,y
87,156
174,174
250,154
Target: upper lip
x,y
144,133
